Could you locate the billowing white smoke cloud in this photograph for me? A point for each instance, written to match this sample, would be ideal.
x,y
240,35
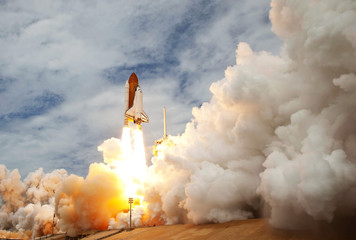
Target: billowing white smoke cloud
x,y
212,172
11,189
41,187
277,129
310,166
28,205
122,220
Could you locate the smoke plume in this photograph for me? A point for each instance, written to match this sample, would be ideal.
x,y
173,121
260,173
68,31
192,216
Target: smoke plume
x,y
27,207
279,130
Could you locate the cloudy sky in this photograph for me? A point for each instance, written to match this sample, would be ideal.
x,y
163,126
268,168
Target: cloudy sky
x,y
63,66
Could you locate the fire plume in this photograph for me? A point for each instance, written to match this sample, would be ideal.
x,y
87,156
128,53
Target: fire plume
x,y
131,166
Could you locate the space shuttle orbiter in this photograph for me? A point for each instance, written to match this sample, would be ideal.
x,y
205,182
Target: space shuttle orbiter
x,y
133,103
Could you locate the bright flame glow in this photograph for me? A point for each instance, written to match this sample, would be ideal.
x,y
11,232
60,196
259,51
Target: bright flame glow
x,y
132,166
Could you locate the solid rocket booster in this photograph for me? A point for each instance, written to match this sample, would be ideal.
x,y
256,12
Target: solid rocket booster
x,y
133,103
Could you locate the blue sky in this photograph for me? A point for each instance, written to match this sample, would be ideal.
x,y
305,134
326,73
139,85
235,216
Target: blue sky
x,y
63,65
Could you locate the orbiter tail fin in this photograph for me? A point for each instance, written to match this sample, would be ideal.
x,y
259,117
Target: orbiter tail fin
x,y
144,117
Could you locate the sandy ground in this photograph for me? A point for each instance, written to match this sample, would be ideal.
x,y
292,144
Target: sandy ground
x,y
256,229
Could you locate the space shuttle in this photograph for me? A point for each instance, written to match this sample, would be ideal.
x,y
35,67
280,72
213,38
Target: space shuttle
x,y
133,103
